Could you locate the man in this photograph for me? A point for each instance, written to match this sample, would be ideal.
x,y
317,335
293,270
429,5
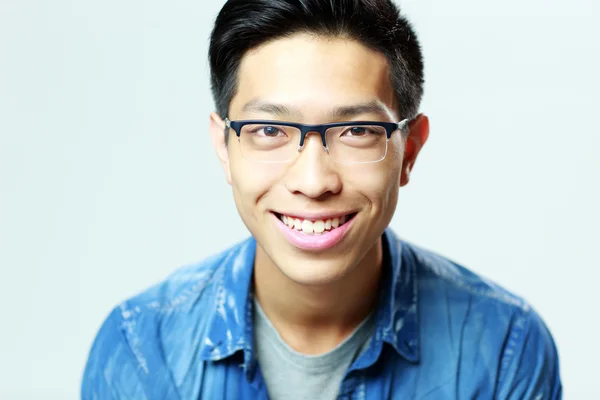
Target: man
x,y
317,128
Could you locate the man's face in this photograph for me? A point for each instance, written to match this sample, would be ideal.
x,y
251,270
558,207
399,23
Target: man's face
x,y
310,77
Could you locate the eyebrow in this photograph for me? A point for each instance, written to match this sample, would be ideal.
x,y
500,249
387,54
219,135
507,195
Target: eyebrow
x,y
371,107
271,108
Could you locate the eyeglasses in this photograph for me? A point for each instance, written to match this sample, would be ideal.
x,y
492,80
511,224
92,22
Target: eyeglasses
x,y
355,142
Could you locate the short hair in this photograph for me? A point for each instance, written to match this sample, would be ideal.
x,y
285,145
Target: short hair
x,y
242,25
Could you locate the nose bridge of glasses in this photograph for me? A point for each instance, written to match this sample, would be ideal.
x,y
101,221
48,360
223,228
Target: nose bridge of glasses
x,y
306,129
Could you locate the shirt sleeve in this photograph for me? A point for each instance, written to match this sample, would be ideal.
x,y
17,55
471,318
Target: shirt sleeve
x,y
111,369
529,365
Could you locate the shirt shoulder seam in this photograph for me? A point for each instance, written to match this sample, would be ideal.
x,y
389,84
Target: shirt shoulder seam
x,y
132,308
450,272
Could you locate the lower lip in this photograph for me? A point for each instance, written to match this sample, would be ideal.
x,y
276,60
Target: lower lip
x,y
304,241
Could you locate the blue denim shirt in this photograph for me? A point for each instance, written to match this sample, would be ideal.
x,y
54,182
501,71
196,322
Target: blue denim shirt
x,y
442,332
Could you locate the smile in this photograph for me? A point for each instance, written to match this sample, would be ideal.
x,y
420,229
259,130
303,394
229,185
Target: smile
x,y
317,226
314,234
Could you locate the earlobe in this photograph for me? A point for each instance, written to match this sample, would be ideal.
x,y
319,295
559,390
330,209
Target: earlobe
x,y
405,176
217,134
419,133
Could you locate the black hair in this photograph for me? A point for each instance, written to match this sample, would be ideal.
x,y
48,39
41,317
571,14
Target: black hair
x,y
242,25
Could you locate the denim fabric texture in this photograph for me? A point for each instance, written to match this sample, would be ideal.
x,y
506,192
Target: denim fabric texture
x,y
441,332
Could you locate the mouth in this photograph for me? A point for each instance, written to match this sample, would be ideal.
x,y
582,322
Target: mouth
x,y
315,226
314,234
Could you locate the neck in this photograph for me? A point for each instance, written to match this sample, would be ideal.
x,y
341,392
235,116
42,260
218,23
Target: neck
x,y
329,312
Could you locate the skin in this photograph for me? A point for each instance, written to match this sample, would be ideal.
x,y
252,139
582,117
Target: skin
x,y
316,298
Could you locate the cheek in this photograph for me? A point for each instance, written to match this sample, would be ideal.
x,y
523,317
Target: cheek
x,y
380,182
383,185
380,187
250,182
393,172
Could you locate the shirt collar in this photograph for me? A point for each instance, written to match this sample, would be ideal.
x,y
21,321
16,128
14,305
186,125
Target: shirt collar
x,y
231,324
230,328
397,319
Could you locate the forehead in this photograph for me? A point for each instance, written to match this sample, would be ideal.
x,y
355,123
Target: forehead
x,y
313,75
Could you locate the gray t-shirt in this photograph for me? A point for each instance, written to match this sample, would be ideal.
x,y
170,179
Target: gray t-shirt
x,y
292,375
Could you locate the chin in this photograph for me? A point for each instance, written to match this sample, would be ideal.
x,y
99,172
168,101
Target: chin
x,y
314,273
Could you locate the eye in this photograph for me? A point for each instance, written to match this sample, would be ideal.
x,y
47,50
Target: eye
x,y
271,131
358,130
266,130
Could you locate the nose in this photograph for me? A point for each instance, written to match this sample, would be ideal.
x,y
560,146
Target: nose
x,y
312,173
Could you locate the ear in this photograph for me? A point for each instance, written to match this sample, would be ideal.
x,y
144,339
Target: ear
x,y
419,132
217,135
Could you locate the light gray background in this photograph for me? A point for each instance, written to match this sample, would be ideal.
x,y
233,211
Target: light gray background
x,y
108,180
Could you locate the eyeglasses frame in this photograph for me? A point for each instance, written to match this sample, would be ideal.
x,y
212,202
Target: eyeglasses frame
x,y
321,129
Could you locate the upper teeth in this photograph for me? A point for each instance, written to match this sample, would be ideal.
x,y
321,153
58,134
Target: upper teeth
x,y
308,226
